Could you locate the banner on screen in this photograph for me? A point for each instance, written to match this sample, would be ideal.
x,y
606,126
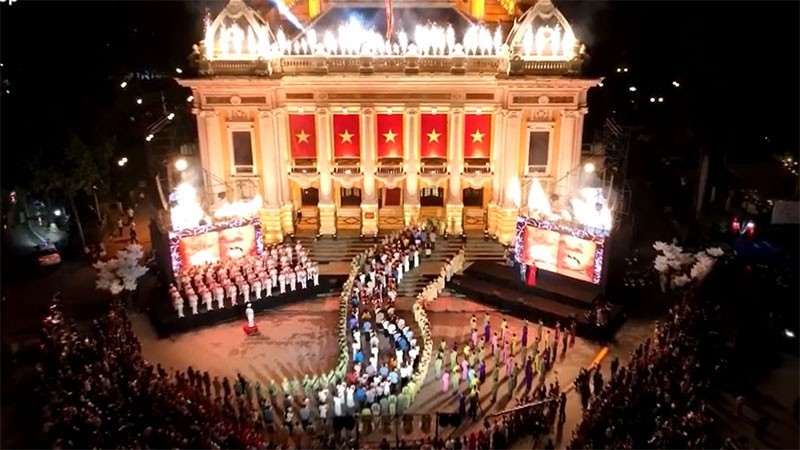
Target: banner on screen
x,y
570,252
221,241
200,249
237,242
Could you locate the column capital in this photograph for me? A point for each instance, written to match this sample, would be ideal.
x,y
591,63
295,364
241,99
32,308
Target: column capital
x,y
279,112
512,114
411,111
367,111
322,111
567,114
266,114
457,111
209,113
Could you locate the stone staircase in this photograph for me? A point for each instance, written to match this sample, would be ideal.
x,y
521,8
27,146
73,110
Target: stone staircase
x,y
345,248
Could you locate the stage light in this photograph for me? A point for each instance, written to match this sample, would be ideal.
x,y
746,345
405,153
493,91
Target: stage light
x,y
149,138
138,101
652,99
619,69
57,213
632,88
789,333
625,70
589,167
660,99
124,159
120,163
676,84
178,70
123,85
600,84
171,116
190,98
181,165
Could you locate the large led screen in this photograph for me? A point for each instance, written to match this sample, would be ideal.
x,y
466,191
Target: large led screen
x,y
558,248
220,241
200,249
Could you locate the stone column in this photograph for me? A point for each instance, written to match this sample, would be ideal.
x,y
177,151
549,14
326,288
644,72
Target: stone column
x,y
216,173
411,128
205,154
507,217
282,149
577,141
269,174
498,160
455,203
568,172
327,209
369,196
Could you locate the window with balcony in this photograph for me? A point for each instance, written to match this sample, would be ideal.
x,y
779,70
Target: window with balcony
x,y
538,152
473,198
350,196
242,143
432,197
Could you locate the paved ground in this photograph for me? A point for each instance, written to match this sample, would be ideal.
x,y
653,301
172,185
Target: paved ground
x,y
300,339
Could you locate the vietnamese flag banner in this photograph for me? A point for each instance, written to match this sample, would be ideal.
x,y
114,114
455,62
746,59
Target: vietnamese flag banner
x,y
433,136
302,135
477,136
390,135
346,131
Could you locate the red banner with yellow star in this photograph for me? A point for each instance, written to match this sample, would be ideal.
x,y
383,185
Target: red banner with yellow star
x,y
390,135
433,136
302,136
346,130
477,136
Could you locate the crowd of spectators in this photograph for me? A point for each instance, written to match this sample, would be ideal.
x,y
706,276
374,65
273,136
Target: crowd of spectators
x,y
658,399
97,391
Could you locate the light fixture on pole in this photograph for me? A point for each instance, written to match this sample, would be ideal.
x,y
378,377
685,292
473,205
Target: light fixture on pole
x,y
181,164
589,167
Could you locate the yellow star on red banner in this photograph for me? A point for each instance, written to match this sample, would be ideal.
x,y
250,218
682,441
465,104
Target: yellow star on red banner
x,y
346,137
389,137
302,137
477,136
433,136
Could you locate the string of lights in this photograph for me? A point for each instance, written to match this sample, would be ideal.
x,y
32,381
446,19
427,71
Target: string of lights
x,y
167,116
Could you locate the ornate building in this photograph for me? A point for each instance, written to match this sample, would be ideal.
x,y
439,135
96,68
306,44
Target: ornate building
x,y
339,128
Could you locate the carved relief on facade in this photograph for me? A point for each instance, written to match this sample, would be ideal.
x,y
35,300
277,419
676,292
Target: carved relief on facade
x,y
543,99
433,181
239,115
391,181
541,115
477,180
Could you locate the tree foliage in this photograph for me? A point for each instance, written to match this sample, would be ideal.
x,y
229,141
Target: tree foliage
x,y
71,167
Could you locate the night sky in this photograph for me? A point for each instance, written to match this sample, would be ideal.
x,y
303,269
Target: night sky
x,y
737,63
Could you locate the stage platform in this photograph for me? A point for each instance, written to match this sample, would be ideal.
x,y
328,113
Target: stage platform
x,y
166,322
554,298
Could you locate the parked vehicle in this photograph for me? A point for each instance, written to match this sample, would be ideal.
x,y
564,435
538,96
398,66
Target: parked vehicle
x,y
47,255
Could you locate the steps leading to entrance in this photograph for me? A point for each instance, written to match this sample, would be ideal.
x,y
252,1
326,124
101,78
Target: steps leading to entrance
x,y
344,249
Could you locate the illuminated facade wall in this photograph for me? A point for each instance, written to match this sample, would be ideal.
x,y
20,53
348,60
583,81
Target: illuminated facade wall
x,y
362,150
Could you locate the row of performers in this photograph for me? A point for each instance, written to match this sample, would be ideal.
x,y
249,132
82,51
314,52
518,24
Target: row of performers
x,y
277,269
374,379
380,270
